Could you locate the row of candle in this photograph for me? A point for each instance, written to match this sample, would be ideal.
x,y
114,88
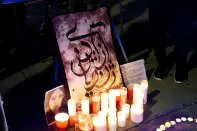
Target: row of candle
x,y
107,103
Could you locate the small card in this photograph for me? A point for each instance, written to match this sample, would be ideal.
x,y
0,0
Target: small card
x,y
133,72
55,102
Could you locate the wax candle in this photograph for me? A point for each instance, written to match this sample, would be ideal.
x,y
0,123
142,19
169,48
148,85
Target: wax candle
x,y
136,114
139,100
144,86
79,117
100,123
103,113
112,112
95,103
112,99
86,125
136,90
130,91
104,101
123,96
61,120
112,123
121,119
126,109
71,107
86,106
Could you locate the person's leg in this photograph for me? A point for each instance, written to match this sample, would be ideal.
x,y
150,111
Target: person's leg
x,y
159,22
183,38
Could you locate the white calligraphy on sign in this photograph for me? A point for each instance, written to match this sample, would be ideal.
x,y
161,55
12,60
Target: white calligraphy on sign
x,y
133,72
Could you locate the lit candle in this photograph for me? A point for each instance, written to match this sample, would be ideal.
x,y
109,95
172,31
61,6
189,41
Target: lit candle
x,y
136,114
71,107
144,86
162,127
102,113
112,122
112,112
121,119
112,99
85,106
117,92
100,123
136,90
173,123
95,103
86,125
126,109
104,101
139,100
61,120
167,124
130,91
123,96
79,117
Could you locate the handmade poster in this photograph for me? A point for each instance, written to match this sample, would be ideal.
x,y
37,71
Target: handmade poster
x,y
55,102
133,72
87,52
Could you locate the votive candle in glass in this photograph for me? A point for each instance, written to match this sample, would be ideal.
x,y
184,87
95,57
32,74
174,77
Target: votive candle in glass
x,y
136,114
126,109
117,92
86,125
144,86
61,120
79,117
123,96
112,123
121,119
95,103
86,106
130,92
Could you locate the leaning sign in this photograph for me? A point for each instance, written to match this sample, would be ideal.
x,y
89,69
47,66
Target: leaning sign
x,y
86,47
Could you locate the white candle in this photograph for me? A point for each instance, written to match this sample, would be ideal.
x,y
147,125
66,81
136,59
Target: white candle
x,y
102,113
112,122
136,114
144,86
100,124
136,90
139,100
162,127
126,109
71,107
86,106
104,101
112,112
167,124
112,99
121,119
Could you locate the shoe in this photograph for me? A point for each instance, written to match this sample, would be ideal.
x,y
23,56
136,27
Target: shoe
x,y
160,73
180,78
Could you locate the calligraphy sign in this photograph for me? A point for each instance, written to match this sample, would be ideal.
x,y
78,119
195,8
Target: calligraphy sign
x,y
87,52
133,72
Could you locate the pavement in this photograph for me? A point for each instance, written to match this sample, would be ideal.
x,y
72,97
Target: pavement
x,y
23,86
